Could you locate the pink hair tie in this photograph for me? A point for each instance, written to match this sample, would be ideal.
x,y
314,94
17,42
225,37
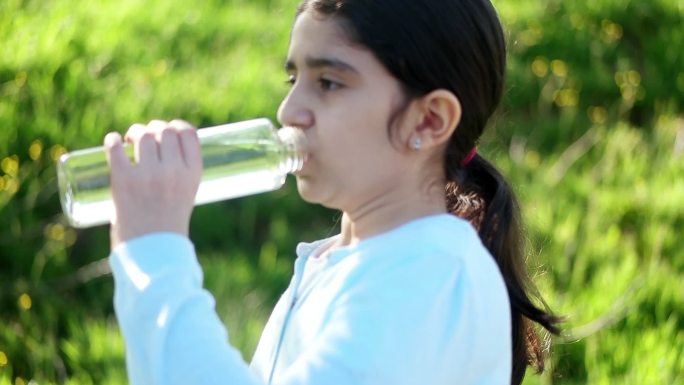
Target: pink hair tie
x,y
469,157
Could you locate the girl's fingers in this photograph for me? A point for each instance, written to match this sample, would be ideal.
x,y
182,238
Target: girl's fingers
x,y
143,141
134,132
173,143
146,149
116,156
169,147
189,143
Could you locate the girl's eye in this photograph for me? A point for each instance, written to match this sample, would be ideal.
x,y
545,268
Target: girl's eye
x,y
329,85
323,83
291,79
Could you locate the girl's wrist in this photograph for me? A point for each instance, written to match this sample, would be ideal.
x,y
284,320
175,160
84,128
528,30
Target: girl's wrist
x,y
121,234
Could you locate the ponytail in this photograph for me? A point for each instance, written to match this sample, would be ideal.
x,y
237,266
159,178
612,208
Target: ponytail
x,y
477,192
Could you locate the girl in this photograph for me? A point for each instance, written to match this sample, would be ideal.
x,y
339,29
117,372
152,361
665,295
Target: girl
x,y
424,284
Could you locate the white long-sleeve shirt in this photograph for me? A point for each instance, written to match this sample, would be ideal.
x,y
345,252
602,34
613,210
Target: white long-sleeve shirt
x,y
421,304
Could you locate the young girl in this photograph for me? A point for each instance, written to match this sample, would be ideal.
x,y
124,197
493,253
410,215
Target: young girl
x,y
425,284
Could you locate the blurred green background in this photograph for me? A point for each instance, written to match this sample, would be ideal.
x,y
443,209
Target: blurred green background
x,y
591,135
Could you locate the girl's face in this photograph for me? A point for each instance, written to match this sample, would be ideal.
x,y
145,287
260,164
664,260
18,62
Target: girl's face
x,y
343,99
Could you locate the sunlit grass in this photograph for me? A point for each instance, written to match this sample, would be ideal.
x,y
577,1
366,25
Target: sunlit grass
x,y
591,135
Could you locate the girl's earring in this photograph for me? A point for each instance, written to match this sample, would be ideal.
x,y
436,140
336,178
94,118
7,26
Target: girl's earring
x,y
417,144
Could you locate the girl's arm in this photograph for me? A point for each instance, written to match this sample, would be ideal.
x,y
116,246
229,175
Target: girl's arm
x,y
171,330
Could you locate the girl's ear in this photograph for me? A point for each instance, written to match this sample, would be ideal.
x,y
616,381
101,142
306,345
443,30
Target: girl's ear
x,y
439,112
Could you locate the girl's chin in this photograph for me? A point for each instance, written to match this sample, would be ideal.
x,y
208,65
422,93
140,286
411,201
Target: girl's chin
x,y
304,189
308,192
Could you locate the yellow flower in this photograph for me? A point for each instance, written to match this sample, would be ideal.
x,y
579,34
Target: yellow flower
x,y
25,301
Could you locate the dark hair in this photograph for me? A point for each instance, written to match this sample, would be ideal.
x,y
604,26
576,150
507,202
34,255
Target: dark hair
x,y
457,45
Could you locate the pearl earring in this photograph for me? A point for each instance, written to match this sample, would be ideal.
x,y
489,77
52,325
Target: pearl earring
x,y
417,144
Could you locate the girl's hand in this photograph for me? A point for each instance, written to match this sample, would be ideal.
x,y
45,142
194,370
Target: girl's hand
x,y
156,193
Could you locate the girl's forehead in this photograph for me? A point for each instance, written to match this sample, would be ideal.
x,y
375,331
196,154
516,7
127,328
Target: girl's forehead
x,y
319,39
318,36
312,30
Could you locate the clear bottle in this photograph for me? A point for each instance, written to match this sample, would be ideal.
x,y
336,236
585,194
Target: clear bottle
x,y
239,159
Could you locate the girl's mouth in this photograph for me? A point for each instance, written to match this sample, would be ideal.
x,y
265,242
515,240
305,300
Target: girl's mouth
x,y
306,158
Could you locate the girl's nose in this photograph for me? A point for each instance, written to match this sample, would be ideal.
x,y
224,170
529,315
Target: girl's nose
x,y
295,111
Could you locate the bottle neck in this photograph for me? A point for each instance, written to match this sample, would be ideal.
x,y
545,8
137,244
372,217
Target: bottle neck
x,y
294,147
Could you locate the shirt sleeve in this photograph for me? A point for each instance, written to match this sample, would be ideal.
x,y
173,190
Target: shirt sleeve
x,y
170,327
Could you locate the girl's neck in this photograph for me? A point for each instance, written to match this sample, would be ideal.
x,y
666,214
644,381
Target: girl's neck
x,y
378,217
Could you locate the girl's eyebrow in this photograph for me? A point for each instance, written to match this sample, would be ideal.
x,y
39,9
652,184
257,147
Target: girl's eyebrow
x,y
322,62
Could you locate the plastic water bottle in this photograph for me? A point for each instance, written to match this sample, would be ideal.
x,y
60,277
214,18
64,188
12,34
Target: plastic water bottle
x,y
239,159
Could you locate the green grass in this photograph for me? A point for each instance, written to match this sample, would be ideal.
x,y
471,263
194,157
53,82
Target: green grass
x,y
591,135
